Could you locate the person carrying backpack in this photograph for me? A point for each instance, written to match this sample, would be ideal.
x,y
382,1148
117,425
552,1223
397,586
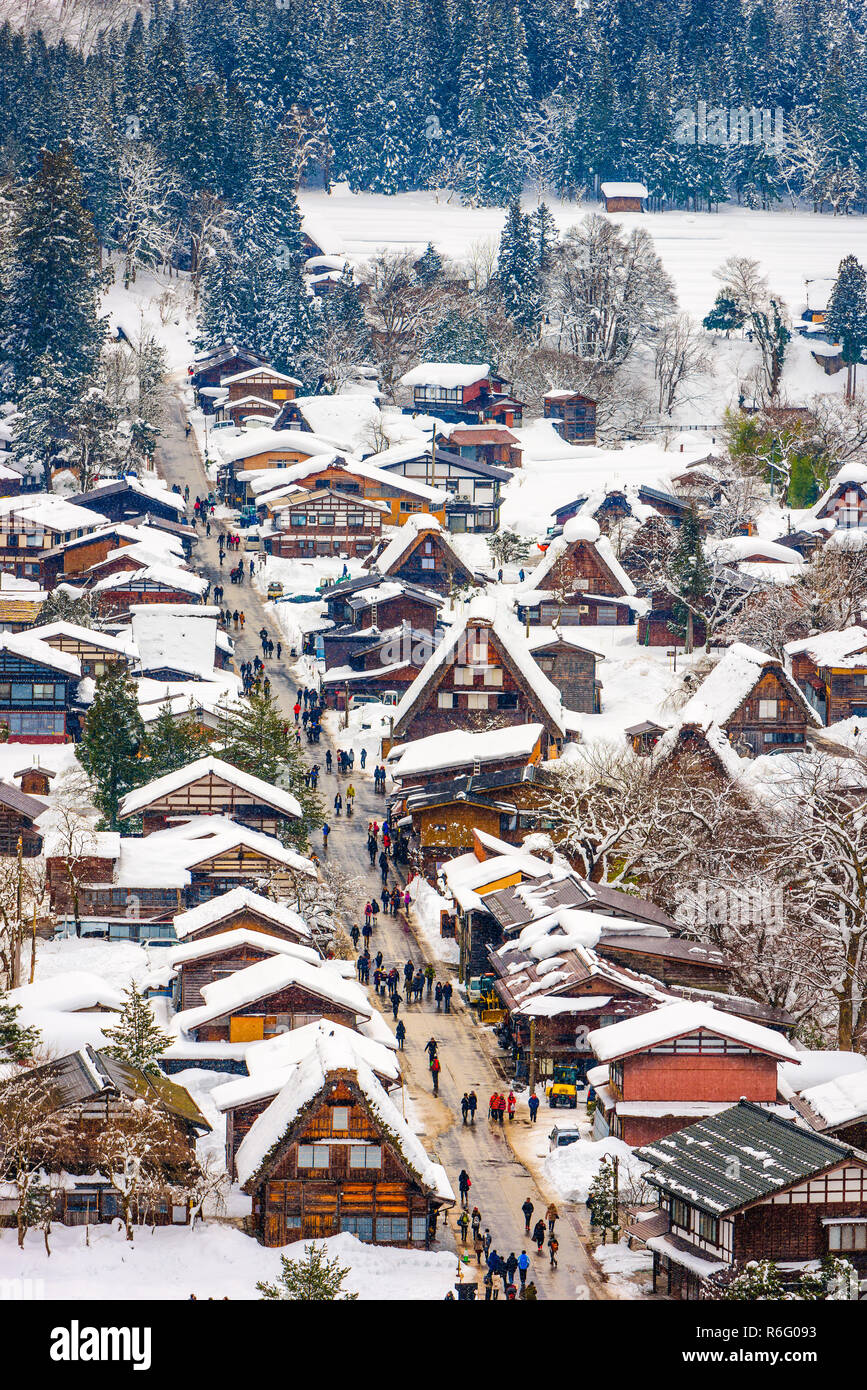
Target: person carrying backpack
x,y
464,1185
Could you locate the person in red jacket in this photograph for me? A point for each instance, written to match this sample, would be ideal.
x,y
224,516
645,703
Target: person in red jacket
x,y
492,1107
435,1073
501,1107
512,1102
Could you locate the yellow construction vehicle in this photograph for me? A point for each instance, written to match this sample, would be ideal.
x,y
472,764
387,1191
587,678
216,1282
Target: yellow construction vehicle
x,y
562,1089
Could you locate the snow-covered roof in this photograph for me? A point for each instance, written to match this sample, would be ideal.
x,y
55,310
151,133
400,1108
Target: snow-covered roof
x,y
677,1020
86,635
238,900
166,858
53,513
298,472
729,684
273,441
623,190
818,1066
580,528
850,473
448,375
331,1055
841,1101
166,576
71,992
734,550
270,372
136,800
270,1063
30,648
460,746
844,649
510,639
407,535
184,643
266,977
230,940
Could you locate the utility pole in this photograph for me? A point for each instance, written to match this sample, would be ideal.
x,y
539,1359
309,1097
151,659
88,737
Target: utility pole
x,y
532,1056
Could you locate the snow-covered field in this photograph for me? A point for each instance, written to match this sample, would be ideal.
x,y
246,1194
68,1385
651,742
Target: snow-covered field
x,y
210,1261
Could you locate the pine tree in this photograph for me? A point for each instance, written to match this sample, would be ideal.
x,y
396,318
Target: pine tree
x,y
690,575
846,316
61,607
50,300
517,270
171,743
313,1279
138,1038
258,740
459,337
17,1044
725,314
113,738
545,237
428,269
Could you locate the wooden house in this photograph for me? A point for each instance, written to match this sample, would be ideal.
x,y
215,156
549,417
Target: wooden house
x,y
793,1197
333,1153
118,593
211,787
462,753
179,642
206,373
373,602
469,393
130,499
20,602
195,964
257,391
84,555
446,816
90,1087
474,488
644,735
326,521
753,701
273,1062
662,625
491,444
678,1063
482,675
382,664
35,780
421,553
836,1107
403,496
845,501
38,686
33,524
623,196
573,416
240,909
831,670
273,996
570,666
95,651
18,814
579,582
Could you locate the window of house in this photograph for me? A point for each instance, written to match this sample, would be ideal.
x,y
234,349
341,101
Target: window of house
x,y
340,1118
848,1235
463,675
708,1228
314,1155
391,1228
508,700
410,506
419,1230
479,653
361,1226
326,518
365,1156
768,709
679,1213
298,519
477,700
493,675
43,692
445,700
355,519
428,547
428,563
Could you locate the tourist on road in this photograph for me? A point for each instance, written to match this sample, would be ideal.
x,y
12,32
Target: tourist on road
x,y
511,1102
435,1074
395,1003
533,1104
408,972
355,933
429,972
338,804
438,995
365,932
326,831
474,1101
523,1266
430,1048
511,1266
501,1108
363,758
400,1033
465,1106
539,1235
551,1215
374,911
350,794
478,1246
553,1247
242,619
328,760
279,650
528,1210
463,1226
464,1185
447,996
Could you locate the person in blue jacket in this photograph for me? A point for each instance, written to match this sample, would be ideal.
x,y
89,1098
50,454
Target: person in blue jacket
x,y
533,1103
523,1266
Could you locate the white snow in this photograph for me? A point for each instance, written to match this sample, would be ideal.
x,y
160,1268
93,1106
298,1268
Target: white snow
x,y
236,900
677,1020
206,768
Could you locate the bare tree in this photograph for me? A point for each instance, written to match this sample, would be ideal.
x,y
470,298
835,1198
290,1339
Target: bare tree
x,y
147,225
399,311
33,1130
144,1155
679,355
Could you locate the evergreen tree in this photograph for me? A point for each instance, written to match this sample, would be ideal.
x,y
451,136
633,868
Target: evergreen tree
x,y
112,741
313,1279
258,740
545,236
690,575
61,607
846,316
52,280
600,1198
429,267
459,337
517,270
725,314
171,744
137,1039
17,1044
493,98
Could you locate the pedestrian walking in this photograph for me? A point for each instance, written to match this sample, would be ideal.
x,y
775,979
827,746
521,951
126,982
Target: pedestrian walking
x,y
464,1185
529,1293
511,1102
447,996
474,1101
465,1106
523,1266
395,1004
511,1266
533,1104
476,1220
338,804
553,1247
430,1048
435,1074
328,760
528,1210
355,933
365,932
501,1108
241,618
551,1215
463,1226
539,1235
487,1241
400,1033
438,995
363,758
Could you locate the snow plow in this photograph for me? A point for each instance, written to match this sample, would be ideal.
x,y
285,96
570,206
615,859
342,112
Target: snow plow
x,y
562,1089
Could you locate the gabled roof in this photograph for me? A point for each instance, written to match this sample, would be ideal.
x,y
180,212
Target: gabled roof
x,y
402,453
623,190
237,900
417,529
730,683
851,474
29,807
162,576
208,768
461,747
204,946
581,530
772,1154
82,1076
845,649
272,1062
88,637
514,653
155,493
244,987
678,1020
332,1061
30,648
448,375
265,370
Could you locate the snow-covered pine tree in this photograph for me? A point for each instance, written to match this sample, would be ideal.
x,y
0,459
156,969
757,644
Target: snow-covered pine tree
x,y
172,743
17,1044
725,314
256,739
429,266
137,1038
113,737
846,316
517,270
